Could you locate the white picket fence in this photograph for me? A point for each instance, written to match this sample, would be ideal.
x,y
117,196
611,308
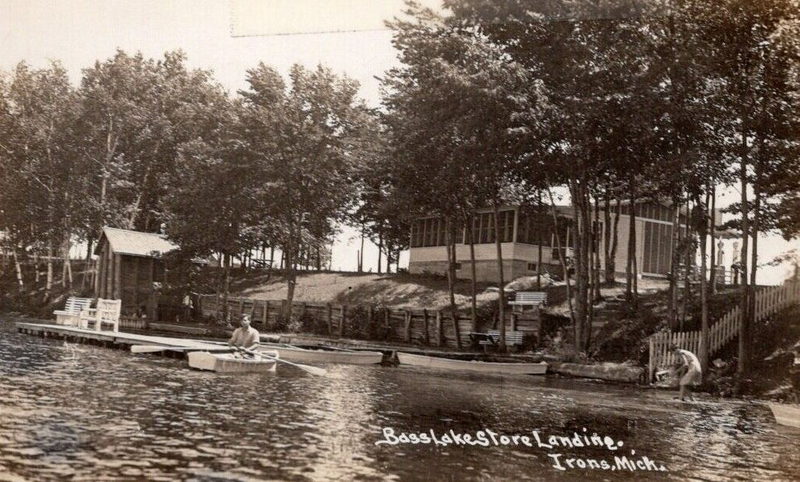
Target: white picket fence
x,y
768,301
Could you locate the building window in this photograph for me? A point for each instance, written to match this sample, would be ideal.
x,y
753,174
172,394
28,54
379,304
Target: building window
x,y
457,266
531,266
433,231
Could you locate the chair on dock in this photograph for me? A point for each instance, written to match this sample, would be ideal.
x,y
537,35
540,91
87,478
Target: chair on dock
x,y
528,298
71,314
107,311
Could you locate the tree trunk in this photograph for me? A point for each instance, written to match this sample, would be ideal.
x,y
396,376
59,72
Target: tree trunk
x,y
615,243
502,301
688,240
87,271
361,252
596,250
754,251
473,281
49,283
743,365
674,262
609,268
380,251
18,269
712,278
560,250
704,330
451,276
581,257
66,276
291,280
631,268
226,285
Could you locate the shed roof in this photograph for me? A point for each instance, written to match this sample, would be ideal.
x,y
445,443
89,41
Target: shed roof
x,y
136,243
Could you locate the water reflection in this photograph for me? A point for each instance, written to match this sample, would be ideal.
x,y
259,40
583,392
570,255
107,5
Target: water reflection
x,y
71,410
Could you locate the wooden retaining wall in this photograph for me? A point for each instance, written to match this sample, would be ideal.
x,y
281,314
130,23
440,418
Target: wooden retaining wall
x,y
419,326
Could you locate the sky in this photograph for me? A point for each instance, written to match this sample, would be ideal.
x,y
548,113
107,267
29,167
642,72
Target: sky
x,y
229,37
79,32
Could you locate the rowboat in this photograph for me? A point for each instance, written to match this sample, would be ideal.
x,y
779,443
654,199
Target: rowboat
x,y
309,355
231,362
786,414
442,363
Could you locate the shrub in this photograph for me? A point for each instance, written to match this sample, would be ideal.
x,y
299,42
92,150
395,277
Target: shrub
x,y
313,324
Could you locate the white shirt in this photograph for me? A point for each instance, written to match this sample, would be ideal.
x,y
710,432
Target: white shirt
x,y
689,359
245,337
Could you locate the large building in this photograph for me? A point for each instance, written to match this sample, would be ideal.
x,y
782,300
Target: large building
x,y
529,238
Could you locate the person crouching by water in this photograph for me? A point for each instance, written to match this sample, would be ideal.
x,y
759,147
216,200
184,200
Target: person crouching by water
x,y
245,336
689,366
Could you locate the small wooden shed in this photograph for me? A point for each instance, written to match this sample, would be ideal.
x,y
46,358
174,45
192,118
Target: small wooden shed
x,y
128,266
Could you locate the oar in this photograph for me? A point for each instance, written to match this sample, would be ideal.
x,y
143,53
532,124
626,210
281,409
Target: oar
x,y
306,368
157,348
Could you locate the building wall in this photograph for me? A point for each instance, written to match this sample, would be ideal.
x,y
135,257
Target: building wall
x,y
137,285
130,280
485,270
433,259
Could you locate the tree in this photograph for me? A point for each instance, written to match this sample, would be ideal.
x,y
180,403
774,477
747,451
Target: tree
x,y
136,113
302,137
40,188
451,109
757,63
211,204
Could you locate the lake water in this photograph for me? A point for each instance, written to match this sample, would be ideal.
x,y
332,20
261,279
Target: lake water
x,y
89,413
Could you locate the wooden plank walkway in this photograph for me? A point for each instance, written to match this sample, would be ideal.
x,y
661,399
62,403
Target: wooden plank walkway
x,y
115,339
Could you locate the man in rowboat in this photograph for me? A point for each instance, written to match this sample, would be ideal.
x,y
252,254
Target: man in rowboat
x,y
689,366
245,336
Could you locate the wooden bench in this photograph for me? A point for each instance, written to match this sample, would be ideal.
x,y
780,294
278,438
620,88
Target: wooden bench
x,y
528,298
492,338
71,314
106,312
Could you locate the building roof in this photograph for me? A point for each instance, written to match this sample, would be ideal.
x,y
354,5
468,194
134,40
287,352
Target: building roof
x,y
136,243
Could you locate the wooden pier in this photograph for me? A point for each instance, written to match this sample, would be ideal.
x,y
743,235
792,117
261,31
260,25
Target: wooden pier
x,y
109,339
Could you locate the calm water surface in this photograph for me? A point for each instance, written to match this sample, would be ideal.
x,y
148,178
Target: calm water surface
x,y
71,411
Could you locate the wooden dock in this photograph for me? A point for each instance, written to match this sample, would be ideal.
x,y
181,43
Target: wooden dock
x,y
109,339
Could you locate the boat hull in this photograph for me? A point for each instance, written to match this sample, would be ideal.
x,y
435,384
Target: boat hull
x,y
230,362
786,414
303,355
472,366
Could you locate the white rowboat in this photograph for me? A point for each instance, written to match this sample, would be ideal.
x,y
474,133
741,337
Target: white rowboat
x,y
305,355
786,414
231,362
472,366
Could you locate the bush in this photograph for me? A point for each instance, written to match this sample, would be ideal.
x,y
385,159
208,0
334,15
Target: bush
x,y
359,325
313,324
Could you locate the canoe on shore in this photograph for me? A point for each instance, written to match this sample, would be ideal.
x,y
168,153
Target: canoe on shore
x,y
231,362
786,414
308,355
442,363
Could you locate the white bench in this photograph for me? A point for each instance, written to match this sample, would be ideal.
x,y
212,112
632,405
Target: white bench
x,y
106,312
528,298
71,314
